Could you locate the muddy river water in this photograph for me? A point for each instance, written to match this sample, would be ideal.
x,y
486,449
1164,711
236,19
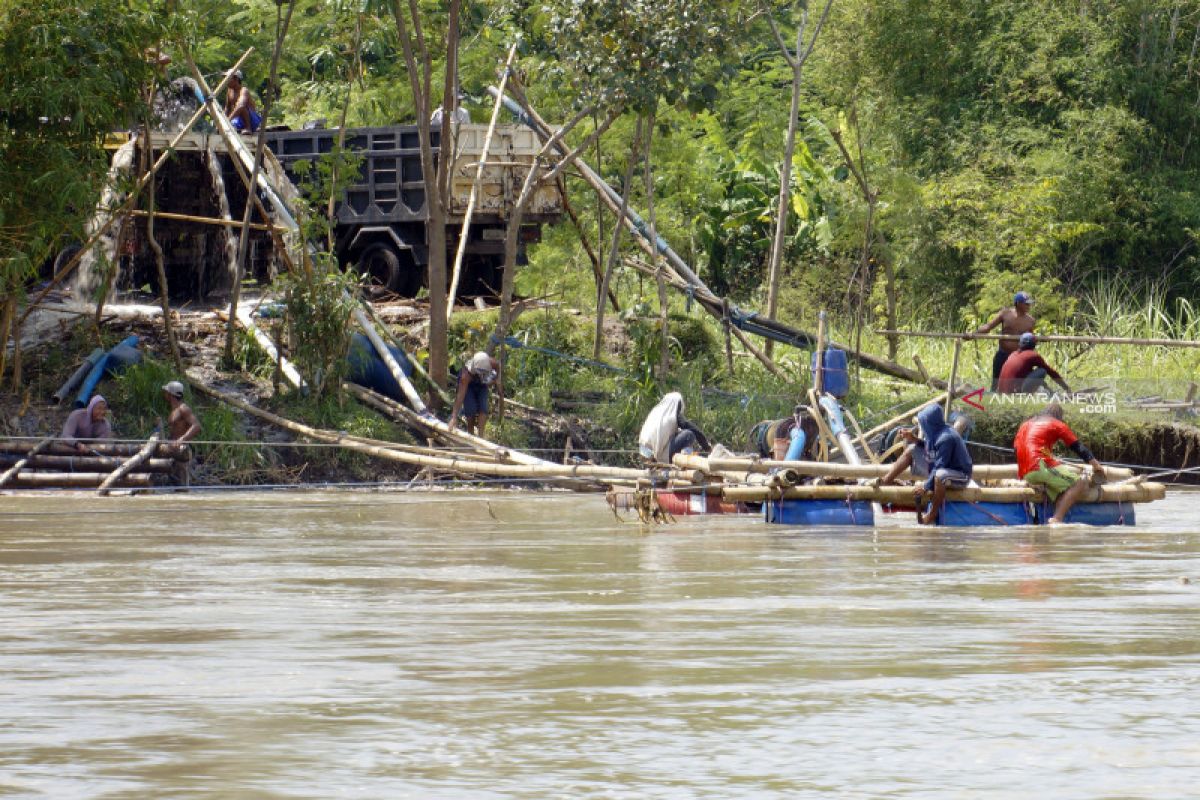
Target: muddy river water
x,y
533,646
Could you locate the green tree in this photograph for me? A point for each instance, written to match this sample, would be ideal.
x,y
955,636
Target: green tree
x,y
73,71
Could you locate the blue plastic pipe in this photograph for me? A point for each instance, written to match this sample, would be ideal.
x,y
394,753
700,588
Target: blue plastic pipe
x,y
113,361
796,448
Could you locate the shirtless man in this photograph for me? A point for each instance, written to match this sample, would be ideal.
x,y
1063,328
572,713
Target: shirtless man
x,y
182,426
1013,322
239,105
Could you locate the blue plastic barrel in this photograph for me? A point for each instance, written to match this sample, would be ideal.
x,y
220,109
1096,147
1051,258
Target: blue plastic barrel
x,y
366,368
835,379
1092,514
984,514
819,513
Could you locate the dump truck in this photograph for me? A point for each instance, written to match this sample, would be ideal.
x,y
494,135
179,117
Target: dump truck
x,y
381,225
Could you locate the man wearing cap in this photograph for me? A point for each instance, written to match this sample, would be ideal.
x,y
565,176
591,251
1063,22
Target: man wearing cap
x,y
1025,370
239,105
182,426
1013,322
471,399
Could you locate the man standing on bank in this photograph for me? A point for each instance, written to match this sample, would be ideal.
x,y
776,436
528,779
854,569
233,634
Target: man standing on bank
x,y
1037,467
182,427
1013,322
471,399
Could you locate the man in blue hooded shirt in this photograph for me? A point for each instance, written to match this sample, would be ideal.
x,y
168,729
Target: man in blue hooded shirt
x,y
949,463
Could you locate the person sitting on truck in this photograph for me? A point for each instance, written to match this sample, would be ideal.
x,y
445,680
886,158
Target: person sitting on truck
x,y
87,423
471,399
1013,322
1026,371
1037,467
239,105
459,114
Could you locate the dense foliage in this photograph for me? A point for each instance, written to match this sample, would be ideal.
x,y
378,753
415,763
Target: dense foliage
x,y
72,71
1039,144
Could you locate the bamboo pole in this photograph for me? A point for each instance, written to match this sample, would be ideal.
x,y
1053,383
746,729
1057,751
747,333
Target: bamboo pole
x,y
953,378
123,470
416,365
475,184
861,439
921,368
452,464
87,463
905,417
1050,338
286,367
407,416
410,391
75,480
741,466
59,448
903,495
129,201
227,223
819,365
12,471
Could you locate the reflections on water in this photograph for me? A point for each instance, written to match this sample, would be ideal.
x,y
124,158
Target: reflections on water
x,y
336,645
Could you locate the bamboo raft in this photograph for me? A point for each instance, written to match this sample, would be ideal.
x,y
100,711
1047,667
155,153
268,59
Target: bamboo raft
x,y
787,496
51,464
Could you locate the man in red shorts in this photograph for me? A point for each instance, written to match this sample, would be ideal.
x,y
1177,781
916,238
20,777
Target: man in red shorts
x,y
1037,467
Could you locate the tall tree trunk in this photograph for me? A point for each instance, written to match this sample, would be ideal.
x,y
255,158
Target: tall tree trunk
x,y
664,356
159,261
796,60
783,203
437,176
614,249
7,327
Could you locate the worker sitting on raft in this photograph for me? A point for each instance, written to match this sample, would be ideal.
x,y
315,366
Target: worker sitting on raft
x,y
1026,371
950,465
87,423
914,457
471,399
667,432
1013,322
1037,467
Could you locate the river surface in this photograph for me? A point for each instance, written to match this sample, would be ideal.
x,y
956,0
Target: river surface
x,y
533,646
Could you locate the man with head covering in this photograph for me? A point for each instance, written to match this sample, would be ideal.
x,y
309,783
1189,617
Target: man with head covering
x,y
471,399
1013,322
1026,371
914,457
667,432
182,427
239,105
950,465
87,423
1037,467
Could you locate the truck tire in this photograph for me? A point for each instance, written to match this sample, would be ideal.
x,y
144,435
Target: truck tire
x,y
387,267
381,265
